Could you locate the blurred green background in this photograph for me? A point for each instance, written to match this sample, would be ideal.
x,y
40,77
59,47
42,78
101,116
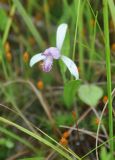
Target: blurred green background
x,y
54,101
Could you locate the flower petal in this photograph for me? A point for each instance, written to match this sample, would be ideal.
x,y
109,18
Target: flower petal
x,y
47,64
71,66
60,35
52,51
36,58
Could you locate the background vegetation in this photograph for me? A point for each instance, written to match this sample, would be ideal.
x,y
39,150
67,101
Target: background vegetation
x,y
50,115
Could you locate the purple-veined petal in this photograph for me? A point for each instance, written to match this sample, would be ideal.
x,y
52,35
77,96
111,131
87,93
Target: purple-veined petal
x,y
60,35
52,51
55,52
47,64
36,58
71,66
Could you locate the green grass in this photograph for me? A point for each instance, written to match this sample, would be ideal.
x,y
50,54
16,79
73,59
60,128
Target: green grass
x,y
108,70
26,111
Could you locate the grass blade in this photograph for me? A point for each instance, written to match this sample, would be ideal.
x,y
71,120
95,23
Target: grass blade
x,y
112,9
36,137
108,70
29,23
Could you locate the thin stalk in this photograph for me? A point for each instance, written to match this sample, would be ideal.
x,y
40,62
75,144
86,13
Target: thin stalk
x,y
108,70
80,47
3,66
5,36
75,38
93,39
7,29
93,13
102,144
112,10
47,18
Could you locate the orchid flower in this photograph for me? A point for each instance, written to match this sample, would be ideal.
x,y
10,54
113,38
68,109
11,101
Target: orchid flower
x,y
55,53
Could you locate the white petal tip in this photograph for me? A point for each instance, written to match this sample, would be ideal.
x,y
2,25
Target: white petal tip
x,y
64,25
61,32
31,63
36,58
71,66
77,77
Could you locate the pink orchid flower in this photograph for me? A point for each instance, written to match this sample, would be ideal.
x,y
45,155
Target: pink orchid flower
x,y
55,53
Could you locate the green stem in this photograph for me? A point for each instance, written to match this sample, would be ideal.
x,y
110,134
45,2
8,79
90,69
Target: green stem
x,y
5,36
112,10
80,47
4,67
93,13
108,69
75,38
92,54
47,18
